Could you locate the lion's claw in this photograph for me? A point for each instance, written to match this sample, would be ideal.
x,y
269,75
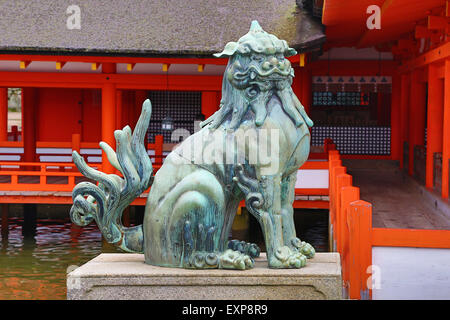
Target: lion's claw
x,y
247,248
285,257
231,259
303,247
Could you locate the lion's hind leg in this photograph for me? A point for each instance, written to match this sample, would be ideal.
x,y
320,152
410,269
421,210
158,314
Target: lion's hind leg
x,y
199,251
192,234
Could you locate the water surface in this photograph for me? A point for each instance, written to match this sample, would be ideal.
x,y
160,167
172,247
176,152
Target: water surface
x,y
36,268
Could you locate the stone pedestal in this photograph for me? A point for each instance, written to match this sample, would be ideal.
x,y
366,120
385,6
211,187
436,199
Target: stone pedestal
x,y
126,276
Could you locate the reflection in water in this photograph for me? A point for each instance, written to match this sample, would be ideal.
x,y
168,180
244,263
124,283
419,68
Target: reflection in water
x,y
35,268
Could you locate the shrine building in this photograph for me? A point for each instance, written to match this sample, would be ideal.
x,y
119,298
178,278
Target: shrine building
x,y
374,76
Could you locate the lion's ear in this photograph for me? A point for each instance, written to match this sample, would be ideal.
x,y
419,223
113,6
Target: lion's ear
x,y
290,52
230,49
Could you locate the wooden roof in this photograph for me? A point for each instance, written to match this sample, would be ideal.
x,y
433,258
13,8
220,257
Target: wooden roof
x,y
149,27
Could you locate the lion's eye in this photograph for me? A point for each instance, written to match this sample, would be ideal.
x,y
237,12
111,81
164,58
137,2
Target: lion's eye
x,y
257,57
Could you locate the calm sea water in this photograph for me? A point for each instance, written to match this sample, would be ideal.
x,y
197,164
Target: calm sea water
x,y
36,268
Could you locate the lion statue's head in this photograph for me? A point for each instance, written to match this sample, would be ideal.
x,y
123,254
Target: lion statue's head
x,y
257,69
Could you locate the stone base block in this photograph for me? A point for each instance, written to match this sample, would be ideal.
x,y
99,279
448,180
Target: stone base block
x,y
126,276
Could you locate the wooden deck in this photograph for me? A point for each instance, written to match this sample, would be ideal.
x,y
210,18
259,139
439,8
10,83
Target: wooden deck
x,y
398,200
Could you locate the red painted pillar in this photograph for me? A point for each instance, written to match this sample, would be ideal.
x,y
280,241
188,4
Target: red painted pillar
x,y
396,144
3,114
108,122
209,103
417,116
29,102
140,97
446,133
306,89
404,115
119,104
434,120
108,114
297,82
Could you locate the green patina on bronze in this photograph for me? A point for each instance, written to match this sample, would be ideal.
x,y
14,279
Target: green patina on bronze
x,y
195,194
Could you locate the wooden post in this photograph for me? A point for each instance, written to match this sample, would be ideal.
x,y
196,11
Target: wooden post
x,y
334,201
29,101
5,221
348,195
76,142
3,114
209,103
417,117
119,104
15,133
108,122
297,82
159,143
29,220
404,116
306,89
360,245
434,121
446,133
333,161
342,180
396,150
404,109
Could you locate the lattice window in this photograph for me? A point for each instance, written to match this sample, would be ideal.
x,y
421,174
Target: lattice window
x,y
355,140
182,107
346,98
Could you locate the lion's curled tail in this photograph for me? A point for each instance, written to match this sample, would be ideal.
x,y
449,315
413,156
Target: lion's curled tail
x,y
106,201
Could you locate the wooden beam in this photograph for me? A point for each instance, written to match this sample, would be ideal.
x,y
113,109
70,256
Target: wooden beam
x,y
17,79
431,56
417,238
353,67
104,59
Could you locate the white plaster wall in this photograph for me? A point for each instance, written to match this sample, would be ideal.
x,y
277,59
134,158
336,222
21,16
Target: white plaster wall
x,y
312,178
411,273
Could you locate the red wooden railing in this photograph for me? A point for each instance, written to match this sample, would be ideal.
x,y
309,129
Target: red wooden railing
x,y
350,229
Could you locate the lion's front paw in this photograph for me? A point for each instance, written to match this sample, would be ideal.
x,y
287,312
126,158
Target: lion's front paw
x,y
231,259
247,248
285,257
303,247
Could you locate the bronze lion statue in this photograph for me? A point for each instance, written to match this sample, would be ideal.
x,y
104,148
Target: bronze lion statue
x,y
195,194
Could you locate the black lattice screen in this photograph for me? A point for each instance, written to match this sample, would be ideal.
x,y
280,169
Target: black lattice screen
x,y
183,107
355,140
